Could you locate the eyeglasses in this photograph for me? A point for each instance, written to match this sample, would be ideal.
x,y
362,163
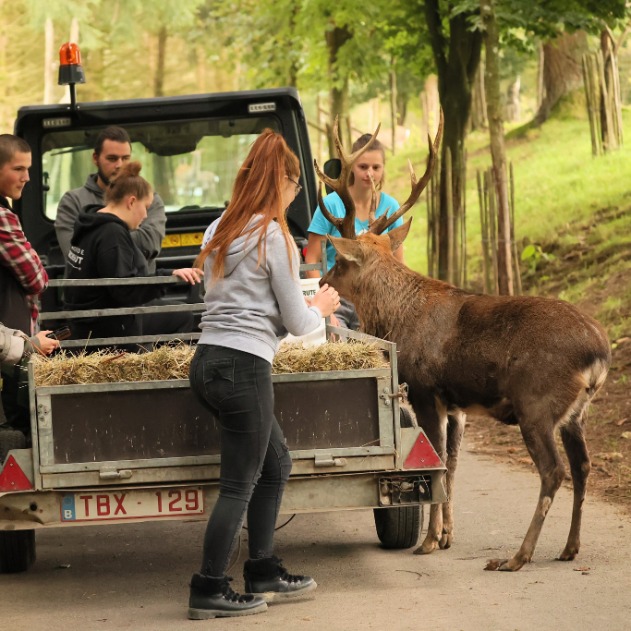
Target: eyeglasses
x,y
296,184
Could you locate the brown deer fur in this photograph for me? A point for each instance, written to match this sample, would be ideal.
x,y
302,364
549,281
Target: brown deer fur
x,y
532,361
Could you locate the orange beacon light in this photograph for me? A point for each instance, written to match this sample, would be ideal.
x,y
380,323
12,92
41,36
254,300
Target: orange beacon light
x,y
70,70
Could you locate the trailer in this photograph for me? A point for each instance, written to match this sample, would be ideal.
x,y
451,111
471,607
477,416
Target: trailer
x,y
111,453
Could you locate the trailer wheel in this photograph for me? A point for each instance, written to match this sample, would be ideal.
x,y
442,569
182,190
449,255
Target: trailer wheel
x,y
17,550
398,528
10,439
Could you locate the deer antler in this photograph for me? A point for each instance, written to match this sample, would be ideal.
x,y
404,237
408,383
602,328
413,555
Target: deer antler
x,y
346,224
384,222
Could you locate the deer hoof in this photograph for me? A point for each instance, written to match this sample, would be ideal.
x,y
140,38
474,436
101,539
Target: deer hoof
x,y
567,555
503,565
427,547
445,541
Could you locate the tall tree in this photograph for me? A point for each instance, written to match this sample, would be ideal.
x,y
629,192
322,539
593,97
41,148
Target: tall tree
x,y
456,47
498,152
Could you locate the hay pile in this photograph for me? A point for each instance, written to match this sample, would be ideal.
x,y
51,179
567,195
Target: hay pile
x,y
166,362
172,362
294,357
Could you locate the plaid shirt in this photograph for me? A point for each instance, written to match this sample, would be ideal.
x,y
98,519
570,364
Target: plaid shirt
x,y
19,257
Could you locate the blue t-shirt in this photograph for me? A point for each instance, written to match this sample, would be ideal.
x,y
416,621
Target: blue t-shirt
x,y
321,225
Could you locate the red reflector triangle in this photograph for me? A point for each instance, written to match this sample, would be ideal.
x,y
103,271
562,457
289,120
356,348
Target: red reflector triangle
x,y
422,455
12,477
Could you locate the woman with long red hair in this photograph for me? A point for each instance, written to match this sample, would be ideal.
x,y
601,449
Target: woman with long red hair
x,y
253,298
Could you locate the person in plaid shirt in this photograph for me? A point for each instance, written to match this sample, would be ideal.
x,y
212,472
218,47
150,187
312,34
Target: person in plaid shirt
x,y
22,275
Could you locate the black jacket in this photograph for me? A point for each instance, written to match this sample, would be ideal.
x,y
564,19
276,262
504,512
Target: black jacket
x,y
102,247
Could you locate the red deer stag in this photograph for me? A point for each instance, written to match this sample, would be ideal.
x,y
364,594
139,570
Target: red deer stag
x,y
531,361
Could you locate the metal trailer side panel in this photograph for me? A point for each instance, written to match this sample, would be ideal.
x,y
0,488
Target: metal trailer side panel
x,y
152,431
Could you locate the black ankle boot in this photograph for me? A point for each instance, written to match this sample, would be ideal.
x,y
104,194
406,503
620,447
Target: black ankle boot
x,y
269,579
213,598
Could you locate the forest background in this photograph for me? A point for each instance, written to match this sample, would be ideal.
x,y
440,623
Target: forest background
x,y
508,75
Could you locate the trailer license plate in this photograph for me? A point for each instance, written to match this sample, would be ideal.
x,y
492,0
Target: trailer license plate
x,y
120,505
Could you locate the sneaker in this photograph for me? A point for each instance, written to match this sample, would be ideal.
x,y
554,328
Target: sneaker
x,y
268,579
212,597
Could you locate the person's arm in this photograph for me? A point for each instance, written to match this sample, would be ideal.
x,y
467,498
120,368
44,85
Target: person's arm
x,y
313,253
118,262
19,257
149,236
15,344
319,227
298,318
67,212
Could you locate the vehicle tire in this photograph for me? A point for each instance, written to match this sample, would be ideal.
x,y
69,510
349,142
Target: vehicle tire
x,y
399,528
405,417
17,550
10,439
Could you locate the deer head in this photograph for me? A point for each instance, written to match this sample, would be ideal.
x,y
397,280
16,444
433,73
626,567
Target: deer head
x,y
346,224
361,256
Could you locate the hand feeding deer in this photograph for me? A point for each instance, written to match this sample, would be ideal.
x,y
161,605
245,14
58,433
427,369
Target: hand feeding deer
x,y
536,362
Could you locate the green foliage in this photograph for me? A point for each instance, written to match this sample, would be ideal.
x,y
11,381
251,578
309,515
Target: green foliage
x,y
533,255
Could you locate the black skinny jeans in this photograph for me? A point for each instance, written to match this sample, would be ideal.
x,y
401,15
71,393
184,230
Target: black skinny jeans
x,y
255,463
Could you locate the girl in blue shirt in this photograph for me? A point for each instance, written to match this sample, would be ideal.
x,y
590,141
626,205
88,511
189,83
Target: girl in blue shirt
x,y
371,164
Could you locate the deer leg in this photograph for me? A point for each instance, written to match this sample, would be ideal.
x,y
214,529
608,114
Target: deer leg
x,y
576,449
455,429
433,420
543,451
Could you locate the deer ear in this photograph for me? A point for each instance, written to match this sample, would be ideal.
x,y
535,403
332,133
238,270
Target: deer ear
x,y
397,236
347,248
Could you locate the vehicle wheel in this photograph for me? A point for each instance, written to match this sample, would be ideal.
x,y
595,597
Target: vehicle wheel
x,y
17,550
398,528
10,439
405,417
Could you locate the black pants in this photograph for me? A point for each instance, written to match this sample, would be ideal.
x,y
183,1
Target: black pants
x,y
15,400
255,463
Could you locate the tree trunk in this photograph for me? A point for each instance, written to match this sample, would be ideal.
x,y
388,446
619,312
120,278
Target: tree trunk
x,y
478,101
393,104
158,80
498,153
336,37
402,106
294,65
513,101
457,58
562,70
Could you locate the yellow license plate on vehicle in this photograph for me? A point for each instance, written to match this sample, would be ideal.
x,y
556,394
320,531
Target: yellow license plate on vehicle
x,y
131,504
183,240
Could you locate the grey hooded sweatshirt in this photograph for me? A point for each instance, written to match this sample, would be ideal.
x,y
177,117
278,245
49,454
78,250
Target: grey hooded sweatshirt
x,y
254,305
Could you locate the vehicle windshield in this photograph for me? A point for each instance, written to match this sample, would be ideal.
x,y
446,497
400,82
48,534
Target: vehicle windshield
x,y
190,164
